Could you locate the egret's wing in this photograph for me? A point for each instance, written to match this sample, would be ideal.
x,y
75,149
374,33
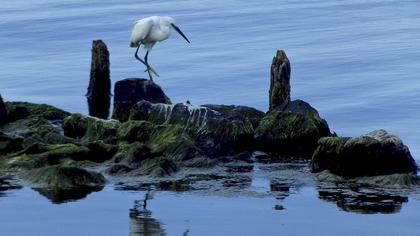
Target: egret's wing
x,y
139,31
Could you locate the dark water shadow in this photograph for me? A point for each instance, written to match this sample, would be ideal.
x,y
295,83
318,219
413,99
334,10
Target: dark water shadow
x,y
363,199
59,196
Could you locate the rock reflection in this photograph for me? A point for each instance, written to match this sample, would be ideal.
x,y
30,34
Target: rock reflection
x,y
6,185
141,221
59,196
363,201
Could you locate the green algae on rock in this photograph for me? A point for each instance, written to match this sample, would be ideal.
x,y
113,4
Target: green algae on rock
x,y
89,129
291,130
376,153
64,177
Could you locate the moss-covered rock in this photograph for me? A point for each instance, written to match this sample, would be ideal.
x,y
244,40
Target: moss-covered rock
x,y
376,153
20,110
100,151
36,130
291,130
89,129
64,177
158,167
252,114
214,133
133,155
135,130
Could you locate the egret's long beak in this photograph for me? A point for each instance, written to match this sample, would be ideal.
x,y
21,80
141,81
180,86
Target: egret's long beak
x,y
180,32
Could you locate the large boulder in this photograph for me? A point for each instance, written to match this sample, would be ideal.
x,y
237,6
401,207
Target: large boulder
x,y
291,130
99,90
214,133
128,92
376,153
279,81
89,129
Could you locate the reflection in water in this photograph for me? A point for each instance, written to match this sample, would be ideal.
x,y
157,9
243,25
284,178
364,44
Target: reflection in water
x,y
365,201
6,185
141,221
58,196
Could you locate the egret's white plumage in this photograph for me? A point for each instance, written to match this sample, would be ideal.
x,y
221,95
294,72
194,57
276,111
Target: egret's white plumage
x,y
150,30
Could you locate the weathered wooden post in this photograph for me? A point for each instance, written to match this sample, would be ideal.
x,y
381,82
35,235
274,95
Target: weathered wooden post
x,y
280,80
99,90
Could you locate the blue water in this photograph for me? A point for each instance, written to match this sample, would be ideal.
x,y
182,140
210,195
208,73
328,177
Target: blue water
x,y
356,61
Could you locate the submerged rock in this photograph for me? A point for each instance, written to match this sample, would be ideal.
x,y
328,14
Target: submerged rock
x,y
291,130
128,92
99,90
376,153
64,177
89,129
279,81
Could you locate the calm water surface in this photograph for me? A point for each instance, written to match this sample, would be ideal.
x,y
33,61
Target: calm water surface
x,y
356,61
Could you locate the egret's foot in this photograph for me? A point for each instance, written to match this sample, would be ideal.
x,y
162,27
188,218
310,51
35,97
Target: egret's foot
x,y
150,70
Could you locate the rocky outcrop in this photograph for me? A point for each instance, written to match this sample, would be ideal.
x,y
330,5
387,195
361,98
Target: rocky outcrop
x,y
291,130
128,92
279,81
376,153
99,90
211,131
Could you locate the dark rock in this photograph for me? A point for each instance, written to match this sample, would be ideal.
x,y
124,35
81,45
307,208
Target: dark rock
x,y
118,169
99,90
3,112
18,113
64,177
90,129
135,130
280,80
158,167
376,153
291,130
100,151
252,114
129,91
9,144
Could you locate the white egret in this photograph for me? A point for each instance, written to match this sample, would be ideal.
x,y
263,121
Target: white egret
x,y
148,31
